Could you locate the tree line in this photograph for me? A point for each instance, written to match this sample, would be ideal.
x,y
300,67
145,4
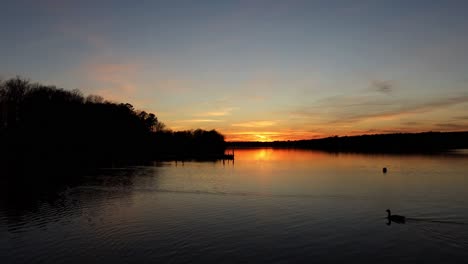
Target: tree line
x,y
426,142
39,121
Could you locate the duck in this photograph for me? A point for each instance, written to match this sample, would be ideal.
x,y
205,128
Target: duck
x,y
395,218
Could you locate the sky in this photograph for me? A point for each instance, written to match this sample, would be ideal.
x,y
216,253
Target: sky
x,y
254,70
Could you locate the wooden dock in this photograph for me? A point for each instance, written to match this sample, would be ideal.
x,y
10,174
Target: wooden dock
x,y
229,155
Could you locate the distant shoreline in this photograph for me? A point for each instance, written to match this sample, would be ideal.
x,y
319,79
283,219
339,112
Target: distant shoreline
x,y
425,142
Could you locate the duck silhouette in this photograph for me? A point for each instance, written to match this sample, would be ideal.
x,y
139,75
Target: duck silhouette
x,y
395,218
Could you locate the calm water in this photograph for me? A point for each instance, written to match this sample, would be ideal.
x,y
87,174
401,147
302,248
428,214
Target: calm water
x,y
270,206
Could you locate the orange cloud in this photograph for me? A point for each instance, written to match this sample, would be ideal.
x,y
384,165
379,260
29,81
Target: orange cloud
x,y
111,72
224,112
412,109
113,80
252,136
355,109
255,124
267,136
200,120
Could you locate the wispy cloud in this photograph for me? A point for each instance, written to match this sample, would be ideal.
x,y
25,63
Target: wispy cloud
x,y
222,112
385,87
411,123
200,120
452,126
353,109
253,135
111,72
413,109
115,81
256,124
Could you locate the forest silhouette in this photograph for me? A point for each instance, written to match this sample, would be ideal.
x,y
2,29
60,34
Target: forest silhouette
x,y
421,143
45,123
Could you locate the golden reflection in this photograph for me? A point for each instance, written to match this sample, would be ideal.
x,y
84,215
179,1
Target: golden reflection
x,y
271,154
262,154
288,171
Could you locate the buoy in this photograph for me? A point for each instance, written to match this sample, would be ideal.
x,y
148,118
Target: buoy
x,y
384,170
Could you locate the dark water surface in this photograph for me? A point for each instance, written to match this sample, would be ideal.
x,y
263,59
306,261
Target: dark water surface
x,y
271,206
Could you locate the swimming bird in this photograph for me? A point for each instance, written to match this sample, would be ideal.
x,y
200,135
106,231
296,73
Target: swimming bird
x,y
395,218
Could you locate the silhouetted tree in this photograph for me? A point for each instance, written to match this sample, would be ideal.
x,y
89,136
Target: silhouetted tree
x,y
41,121
190,143
11,96
94,99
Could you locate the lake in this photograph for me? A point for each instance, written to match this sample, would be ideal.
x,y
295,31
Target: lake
x,y
269,206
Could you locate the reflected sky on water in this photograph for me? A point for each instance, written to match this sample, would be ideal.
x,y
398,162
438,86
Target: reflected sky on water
x,y
269,205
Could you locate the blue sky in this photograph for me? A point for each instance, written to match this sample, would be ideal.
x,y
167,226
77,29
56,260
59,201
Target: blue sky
x,y
254,70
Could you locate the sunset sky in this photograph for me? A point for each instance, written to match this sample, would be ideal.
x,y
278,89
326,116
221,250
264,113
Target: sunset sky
x,y
254,70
